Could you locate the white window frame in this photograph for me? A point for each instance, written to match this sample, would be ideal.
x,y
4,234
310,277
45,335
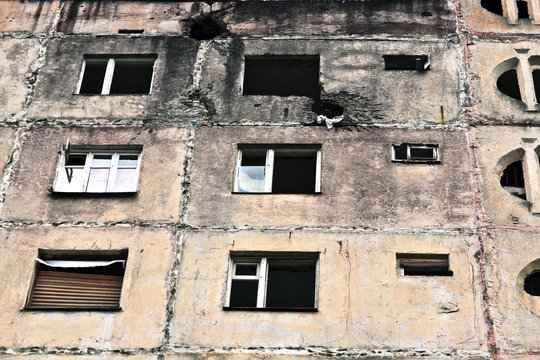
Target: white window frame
x,y
434,148
269,166
89,151
262,275
109,72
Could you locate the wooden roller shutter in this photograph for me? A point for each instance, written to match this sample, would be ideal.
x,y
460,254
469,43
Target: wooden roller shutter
x,y
64,289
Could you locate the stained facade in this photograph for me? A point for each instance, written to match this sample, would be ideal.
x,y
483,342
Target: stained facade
x,y
270,179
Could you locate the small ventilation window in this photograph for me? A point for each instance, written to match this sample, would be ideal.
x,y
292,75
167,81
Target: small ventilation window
x,y
508,84
77,280
512,180
282,76
494,6
119,75
407,62
423,265
417,153
523,9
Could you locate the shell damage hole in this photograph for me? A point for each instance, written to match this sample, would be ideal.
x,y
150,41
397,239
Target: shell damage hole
x,y
206,28
327,108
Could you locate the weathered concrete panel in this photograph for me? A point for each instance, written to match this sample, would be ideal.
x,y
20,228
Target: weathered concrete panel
x,y
101,356
351,74
494,106
360,184
160,177
362,301
16,58
500,206
261,18
517,328
7,138
55,93
34,16
144,291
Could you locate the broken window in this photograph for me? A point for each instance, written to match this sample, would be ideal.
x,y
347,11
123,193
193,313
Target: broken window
x,y
282,76
532,284
118,75
419,153
494,6
280,281
278,169
77,280
423,265
508,84
523,9
512,180
98,169
407,62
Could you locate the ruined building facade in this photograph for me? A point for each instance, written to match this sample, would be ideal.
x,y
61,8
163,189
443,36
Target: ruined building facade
x,y
270,180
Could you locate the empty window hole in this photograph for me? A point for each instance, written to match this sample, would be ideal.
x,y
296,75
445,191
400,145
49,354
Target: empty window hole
x,y
282,76
406,62
131,31
132,78
494,6
290,285
512,180
206,28
523,9
94,73
294,173
424,264
532,284
508,84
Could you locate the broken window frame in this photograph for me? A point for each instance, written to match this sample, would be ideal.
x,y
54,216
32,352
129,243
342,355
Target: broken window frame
x,y
269,164
104,297
421,258
115,151
411,159
110,67
261,276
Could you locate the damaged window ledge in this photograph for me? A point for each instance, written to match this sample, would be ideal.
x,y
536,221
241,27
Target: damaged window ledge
x,y
417,161
69,309
269,193
64,194
275,309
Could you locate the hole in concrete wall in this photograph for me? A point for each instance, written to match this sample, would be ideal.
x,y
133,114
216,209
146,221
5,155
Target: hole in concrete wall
x,y
523,9
327,108
406,62
531,284
423,265
512,180
282,76
494,6
206,28
508,84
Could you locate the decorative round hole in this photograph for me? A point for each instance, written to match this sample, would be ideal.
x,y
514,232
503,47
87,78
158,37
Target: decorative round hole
x,y
528,286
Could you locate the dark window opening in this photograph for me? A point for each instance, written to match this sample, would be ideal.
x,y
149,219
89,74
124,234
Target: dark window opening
x,y
244,293
129,78
494,6
294,174
512,180
532,284
78,282
282,76
206,28
421,153
424,264
536,81
400,152
523,9
130,31
406,62
290,285
508,84
94,73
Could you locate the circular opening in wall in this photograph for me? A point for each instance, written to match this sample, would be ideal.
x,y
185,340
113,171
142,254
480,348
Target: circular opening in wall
x,y
510,170
528,286
494,6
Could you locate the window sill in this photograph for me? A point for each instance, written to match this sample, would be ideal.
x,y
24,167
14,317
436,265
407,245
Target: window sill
x,y
69,309
274,309
268,193
417,161
61,194
112,95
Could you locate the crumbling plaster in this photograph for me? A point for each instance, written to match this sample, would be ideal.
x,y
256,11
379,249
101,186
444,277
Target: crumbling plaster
x,y
160,178
360,185
138,325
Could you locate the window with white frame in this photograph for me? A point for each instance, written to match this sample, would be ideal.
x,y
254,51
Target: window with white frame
x,y
98,169
116,75
278,169
280,281
422,153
